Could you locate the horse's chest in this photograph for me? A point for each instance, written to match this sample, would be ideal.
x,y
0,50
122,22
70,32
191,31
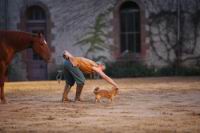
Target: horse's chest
x,y
6,53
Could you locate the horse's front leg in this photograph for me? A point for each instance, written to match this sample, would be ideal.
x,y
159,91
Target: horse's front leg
x,y
2,96
2,79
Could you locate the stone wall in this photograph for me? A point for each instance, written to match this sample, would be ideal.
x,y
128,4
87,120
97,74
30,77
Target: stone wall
x,y
70,20
162,31
3,14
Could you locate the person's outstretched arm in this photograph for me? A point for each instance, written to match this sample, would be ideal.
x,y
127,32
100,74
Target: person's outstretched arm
x,y
104,76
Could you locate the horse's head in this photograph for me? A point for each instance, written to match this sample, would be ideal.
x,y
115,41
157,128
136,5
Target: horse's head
x,y
41,48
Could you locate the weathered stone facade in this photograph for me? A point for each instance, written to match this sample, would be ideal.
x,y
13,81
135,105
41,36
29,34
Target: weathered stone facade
x,y
67,21
3,14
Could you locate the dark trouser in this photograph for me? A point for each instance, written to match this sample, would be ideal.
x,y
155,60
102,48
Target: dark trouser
x,y
73,74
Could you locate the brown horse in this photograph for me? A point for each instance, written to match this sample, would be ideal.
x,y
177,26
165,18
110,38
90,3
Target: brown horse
x,y
12,42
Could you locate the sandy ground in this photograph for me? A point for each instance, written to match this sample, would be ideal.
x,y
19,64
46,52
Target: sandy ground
x,y
143,105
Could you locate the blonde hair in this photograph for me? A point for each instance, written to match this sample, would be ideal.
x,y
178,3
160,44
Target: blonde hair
x,y
66,54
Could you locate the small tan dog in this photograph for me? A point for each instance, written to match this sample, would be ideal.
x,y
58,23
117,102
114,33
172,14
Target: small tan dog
x,y
104,93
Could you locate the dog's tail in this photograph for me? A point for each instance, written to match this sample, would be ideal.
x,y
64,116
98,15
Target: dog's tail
x,y
96,90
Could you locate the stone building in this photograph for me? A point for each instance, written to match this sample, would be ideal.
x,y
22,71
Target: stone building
x,y
145,31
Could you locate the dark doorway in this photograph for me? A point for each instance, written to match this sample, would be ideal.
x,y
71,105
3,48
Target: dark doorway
x,y
36,23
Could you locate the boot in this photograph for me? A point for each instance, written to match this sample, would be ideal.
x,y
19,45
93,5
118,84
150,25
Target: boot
x,y
78,92
65,93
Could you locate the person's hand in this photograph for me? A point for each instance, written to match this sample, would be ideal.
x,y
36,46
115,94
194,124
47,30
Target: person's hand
x,y
116,86
104,76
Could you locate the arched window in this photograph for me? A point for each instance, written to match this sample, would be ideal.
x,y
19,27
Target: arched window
x,y
36,13
130,27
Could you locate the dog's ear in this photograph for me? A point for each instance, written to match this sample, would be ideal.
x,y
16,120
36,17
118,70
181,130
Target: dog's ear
x,y
97,88
117,90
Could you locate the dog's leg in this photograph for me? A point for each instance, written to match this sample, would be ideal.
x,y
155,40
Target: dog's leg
x,y
95,100
111,99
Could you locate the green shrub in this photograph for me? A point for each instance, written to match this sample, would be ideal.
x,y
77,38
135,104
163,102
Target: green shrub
x,y
54,73
135,69
181,71
128,69
13,73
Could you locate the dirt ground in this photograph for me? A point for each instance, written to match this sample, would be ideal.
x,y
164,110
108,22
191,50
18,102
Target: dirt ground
x,y
167,104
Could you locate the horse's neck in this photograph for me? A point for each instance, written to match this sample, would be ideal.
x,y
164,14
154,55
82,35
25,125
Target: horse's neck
x,y
21,41
12,42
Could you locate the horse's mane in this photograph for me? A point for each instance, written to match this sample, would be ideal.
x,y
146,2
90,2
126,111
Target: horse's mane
x,y
17,38
18,32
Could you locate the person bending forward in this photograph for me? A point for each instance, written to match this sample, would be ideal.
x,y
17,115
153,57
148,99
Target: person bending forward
x,y
74,67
